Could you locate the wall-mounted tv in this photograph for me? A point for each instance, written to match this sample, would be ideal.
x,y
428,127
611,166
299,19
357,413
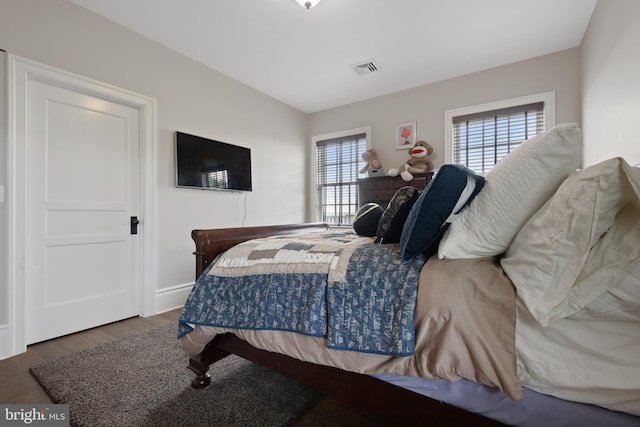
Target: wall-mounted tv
x,y
211,165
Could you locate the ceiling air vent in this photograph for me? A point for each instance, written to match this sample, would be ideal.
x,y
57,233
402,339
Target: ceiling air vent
x,y
365,68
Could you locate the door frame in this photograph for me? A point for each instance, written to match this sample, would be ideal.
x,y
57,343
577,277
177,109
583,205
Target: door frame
x,y
19,71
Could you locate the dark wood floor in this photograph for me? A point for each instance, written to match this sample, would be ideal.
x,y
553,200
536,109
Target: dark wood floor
x,y
18,386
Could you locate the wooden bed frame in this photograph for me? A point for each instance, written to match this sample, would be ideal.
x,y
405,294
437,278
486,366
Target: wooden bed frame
x,y
387,401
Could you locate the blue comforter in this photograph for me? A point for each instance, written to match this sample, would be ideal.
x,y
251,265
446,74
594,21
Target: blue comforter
x,y
336,285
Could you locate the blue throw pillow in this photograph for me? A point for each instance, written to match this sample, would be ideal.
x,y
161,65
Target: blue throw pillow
x,y
450,190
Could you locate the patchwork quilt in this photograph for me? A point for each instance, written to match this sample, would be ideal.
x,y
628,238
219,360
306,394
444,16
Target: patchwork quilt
x,y
336,285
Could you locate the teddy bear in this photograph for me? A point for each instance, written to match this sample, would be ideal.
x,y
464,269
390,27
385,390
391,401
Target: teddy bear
x,y
418,163
371,157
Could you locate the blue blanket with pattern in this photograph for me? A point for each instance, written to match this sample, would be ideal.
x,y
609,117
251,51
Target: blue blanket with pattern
x,y
358,295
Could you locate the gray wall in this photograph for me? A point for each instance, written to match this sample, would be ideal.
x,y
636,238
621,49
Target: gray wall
x,y
611,82
427,104
3,180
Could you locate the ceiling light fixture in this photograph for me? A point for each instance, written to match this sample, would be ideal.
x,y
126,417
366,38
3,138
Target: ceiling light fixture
x,y
308,3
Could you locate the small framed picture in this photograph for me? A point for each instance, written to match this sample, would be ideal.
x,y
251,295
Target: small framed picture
x,y
405,135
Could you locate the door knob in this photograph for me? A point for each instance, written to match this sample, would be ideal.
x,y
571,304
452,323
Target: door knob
x,y
134,224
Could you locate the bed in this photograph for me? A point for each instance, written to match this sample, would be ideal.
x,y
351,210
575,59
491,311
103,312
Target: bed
x,y
527,317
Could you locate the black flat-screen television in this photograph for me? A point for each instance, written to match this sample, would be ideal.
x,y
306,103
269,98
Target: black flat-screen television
x,y
211,165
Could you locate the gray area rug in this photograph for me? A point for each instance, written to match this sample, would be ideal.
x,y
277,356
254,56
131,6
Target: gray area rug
x,y
142,380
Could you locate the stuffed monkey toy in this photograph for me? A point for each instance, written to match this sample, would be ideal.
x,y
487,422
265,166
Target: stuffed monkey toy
x,y
418,162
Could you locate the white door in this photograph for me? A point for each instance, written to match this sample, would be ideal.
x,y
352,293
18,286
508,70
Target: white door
x,y
81,189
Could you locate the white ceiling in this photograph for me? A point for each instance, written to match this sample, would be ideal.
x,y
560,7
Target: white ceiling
x,y
304,58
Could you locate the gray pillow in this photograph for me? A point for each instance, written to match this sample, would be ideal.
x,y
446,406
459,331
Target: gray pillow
x,y
394,217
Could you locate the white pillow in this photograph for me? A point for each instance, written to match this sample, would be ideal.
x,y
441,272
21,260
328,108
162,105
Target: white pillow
x,y
580,244
621,303
515,189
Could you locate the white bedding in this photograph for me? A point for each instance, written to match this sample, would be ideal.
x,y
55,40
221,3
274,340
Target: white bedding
x,y
576,269
579,244
584,360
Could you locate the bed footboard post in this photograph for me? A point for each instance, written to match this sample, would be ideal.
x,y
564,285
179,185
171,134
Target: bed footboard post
x,y
199,365
202,378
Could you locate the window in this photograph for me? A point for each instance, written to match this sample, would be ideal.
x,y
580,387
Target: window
x,y
215,179
481,136
480,140
338,162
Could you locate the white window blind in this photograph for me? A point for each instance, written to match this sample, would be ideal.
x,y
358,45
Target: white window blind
x,y
480,140
215,179
339,161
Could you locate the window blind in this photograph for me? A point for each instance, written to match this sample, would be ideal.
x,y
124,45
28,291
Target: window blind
x,y
338,163
481,140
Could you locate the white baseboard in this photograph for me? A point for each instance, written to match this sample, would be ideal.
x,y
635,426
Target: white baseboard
x,y
173,297
166,299
5,342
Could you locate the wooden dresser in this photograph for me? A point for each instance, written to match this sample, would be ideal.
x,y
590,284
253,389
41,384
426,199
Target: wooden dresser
x,y
381,189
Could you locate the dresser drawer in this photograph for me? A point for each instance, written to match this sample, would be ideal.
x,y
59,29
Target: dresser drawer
x,y
379,197
420,182
380,190
375,184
